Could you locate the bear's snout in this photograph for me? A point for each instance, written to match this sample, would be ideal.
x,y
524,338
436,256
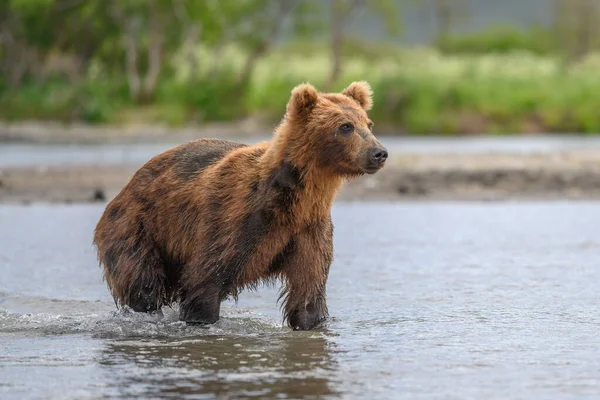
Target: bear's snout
x,y
378,155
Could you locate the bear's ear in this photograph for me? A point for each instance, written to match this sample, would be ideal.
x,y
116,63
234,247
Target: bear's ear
x,y
361,92
304,98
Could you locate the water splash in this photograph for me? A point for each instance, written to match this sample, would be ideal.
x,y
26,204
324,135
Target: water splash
x,y
126,323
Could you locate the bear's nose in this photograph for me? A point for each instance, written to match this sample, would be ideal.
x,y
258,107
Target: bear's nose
x,y
378,155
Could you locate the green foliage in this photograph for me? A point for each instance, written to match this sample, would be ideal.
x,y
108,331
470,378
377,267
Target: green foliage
x,y
501,40
419,91
389,12
309,20
58,100
211,98
218,61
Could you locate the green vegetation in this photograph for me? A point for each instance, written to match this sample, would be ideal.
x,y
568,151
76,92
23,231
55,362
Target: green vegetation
x,y
502,40
417,91
189,61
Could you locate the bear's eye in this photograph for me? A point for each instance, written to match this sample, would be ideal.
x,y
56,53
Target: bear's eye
x,y
346,128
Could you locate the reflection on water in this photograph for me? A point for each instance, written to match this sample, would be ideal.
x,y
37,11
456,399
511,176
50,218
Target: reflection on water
x,y
292,366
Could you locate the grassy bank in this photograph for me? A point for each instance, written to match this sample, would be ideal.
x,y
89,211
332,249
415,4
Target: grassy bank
x,y
418,91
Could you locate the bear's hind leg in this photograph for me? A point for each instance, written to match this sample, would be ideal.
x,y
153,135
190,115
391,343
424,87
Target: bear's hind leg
x,y
136,276
147,293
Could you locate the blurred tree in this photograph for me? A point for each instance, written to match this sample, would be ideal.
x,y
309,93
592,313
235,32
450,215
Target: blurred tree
x,y
35,36
143,30
133,37
254,25
340,12
260,23
24,35
446,14
576,27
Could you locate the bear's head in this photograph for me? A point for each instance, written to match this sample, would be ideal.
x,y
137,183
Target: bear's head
x,y
332,132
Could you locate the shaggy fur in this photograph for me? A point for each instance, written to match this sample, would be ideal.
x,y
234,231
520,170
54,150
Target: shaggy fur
x,y
204,220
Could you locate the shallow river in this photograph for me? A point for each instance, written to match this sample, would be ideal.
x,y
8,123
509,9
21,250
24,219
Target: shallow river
x,y
429,301
23,155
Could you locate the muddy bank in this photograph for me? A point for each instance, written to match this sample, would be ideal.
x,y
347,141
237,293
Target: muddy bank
x,y
567,175
555,175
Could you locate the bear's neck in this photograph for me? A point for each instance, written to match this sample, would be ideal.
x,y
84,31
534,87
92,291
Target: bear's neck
x,y
311,189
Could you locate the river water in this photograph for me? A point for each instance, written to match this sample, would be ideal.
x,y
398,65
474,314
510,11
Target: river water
x,y
22,154
428,301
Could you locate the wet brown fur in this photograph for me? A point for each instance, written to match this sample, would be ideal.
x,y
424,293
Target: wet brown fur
x,y
204,220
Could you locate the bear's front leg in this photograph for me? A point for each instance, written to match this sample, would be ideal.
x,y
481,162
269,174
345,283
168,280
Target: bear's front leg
x,y
305,271
200,305
308,316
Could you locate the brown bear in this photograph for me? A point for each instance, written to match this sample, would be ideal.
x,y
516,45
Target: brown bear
x,y
204,220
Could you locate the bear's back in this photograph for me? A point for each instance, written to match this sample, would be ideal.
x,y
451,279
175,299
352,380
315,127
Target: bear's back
x,y
192,158
157,185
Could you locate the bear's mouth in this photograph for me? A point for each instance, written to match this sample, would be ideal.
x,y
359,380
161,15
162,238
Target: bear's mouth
x,y
371,169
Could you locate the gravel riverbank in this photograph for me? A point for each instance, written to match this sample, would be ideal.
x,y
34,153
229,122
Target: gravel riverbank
x,y
554,175
467,168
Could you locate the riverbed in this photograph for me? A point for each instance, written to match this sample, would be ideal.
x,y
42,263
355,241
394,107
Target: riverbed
x,y
428,301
